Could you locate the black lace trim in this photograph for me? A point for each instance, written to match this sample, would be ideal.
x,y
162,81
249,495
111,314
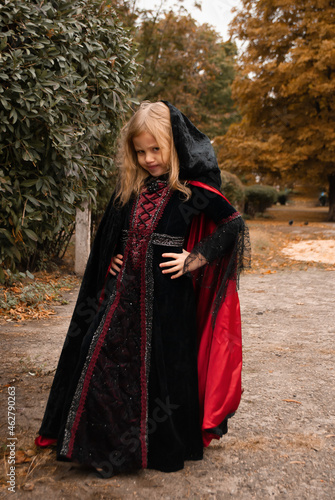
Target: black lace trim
x,y
228,251
222,428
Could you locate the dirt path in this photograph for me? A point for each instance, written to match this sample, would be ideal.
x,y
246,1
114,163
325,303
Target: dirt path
x,y
281,442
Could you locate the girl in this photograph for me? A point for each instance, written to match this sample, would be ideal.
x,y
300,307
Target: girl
x,y
151,366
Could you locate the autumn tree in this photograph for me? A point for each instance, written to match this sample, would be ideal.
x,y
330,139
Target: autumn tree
x,y
127,12
188,64
285,90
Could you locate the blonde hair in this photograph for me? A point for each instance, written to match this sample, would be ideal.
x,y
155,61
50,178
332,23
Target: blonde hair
x,y
153,118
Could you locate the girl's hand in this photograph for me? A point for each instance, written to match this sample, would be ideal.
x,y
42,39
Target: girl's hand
x,y
117,262
176,265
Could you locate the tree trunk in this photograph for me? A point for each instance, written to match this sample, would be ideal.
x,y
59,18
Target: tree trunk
x,y
83,237
331,197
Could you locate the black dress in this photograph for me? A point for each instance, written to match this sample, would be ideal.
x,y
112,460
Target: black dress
x,y
125,392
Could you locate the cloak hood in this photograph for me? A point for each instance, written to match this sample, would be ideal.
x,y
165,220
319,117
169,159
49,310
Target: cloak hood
x,y
197,160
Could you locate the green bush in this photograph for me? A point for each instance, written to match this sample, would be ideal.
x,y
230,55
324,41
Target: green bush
x,y
258,198
233,189
66,74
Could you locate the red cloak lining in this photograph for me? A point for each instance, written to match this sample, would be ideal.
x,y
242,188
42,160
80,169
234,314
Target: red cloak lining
x,y
219,349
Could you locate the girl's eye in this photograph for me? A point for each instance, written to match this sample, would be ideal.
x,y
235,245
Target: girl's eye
x,y
156,149
140,152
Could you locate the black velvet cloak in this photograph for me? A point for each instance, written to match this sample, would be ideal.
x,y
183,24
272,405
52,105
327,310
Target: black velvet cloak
x,y
126,393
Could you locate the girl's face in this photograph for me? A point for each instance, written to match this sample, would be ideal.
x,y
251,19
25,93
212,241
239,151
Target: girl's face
x,y
149,154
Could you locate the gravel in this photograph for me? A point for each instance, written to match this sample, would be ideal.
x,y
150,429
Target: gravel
x,y
280,443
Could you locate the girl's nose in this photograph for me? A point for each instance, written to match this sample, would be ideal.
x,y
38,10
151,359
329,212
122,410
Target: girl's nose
x,y
149,158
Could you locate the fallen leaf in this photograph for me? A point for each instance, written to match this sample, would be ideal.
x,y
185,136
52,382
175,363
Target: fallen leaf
x,y
28,486
21,457
30,453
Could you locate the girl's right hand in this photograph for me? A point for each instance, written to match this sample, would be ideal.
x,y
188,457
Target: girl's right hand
x,y
117,262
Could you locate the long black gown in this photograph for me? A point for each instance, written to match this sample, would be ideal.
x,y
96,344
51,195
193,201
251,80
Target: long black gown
x,y
132,399
125,392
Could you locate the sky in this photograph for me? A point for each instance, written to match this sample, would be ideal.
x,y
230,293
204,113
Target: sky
x,y
215,12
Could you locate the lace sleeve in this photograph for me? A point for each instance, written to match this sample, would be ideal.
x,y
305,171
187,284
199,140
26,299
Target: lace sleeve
x,y
218,243
224,253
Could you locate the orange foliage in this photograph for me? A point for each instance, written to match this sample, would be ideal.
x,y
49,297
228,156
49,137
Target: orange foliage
x,y
285,91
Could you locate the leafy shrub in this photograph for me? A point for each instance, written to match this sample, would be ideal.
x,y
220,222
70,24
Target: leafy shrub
x,y
233,189
258,198
66,71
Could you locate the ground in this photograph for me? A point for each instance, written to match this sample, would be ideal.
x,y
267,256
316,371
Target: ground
x,y
281,441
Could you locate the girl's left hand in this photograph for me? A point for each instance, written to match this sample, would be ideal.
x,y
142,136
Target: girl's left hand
x,y
177,264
